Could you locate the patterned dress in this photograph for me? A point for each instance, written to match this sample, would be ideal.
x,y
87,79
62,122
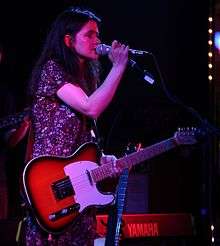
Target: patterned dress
x,y
58,130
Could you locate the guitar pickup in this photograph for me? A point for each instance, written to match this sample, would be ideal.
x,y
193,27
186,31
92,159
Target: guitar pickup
x,y
64,212
62,188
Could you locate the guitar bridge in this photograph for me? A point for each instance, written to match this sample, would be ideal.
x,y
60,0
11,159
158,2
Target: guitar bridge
x,y
64,212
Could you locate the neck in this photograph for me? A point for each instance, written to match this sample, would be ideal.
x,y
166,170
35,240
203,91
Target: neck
x,y
81,67
81,60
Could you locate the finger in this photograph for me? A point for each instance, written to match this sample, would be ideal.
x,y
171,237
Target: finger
x,y
114,44
122,47
110,158
126,51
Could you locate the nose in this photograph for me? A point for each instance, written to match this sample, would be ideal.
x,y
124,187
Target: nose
x,y
98,41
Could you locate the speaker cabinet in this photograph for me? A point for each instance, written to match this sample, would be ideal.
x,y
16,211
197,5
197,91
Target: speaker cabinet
x,y
137,197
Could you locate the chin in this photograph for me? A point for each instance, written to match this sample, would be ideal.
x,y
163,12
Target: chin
x,y
89,55
93,57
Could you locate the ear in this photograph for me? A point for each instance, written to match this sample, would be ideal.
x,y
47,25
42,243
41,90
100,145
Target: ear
x,y
68,40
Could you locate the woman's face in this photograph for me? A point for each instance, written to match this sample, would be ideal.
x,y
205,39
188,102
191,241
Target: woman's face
x,y
86,40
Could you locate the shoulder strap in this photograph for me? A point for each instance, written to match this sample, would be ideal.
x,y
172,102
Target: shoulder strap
x,y
115,214
98,137
29,148
19,133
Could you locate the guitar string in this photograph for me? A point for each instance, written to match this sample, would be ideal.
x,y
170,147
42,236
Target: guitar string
x,y
78,181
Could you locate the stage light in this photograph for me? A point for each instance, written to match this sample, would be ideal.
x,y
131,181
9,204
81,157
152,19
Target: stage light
x,y
217,40
210,49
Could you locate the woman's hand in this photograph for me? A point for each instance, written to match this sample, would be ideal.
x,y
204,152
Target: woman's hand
x,y
110,160
118,54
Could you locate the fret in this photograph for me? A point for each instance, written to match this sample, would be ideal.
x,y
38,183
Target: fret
x,y
105,169
132,159
101,173
93,173
147,153
180,137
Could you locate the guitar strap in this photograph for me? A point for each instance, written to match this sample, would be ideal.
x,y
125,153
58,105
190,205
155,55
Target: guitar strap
x,y
98,137
29,148
19,133
115,214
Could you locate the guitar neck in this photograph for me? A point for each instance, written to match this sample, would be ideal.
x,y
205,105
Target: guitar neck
x,y
135,158
146,153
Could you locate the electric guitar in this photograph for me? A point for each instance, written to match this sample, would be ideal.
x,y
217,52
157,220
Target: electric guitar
x,y
60,189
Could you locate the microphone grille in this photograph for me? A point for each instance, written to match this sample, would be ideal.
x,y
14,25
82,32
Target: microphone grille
x,y
102,49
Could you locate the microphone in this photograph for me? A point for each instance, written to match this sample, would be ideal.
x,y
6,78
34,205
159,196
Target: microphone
x,y
103,49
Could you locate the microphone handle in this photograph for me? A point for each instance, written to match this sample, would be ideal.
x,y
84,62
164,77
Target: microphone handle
x,y
138,52
132,51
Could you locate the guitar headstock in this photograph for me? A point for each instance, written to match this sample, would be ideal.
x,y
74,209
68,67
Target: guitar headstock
x,y
186,135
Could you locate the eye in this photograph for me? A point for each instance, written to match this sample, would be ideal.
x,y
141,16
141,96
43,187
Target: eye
x,y
89,35
92,34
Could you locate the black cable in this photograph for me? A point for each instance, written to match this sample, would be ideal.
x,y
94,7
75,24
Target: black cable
x,y
206,125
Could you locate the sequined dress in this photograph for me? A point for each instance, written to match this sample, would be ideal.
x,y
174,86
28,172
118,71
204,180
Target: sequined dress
x,y
58,130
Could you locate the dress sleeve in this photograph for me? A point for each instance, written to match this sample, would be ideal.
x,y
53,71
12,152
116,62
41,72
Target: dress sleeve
x,y
52,79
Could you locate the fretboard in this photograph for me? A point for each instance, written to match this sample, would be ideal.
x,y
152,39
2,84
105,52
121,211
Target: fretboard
x,y
135,158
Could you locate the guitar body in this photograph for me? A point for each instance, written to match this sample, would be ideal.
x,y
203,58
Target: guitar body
x,y
50,190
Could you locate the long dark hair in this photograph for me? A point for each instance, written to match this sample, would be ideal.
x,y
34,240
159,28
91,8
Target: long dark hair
x,y
68,22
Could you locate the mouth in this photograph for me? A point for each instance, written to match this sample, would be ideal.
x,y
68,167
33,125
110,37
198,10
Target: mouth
x,y
94,50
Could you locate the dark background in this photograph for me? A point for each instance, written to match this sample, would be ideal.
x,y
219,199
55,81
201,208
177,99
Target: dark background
x,y
176,33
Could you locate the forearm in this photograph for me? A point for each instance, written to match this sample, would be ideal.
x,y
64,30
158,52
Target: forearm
x,y
96,103
102,97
